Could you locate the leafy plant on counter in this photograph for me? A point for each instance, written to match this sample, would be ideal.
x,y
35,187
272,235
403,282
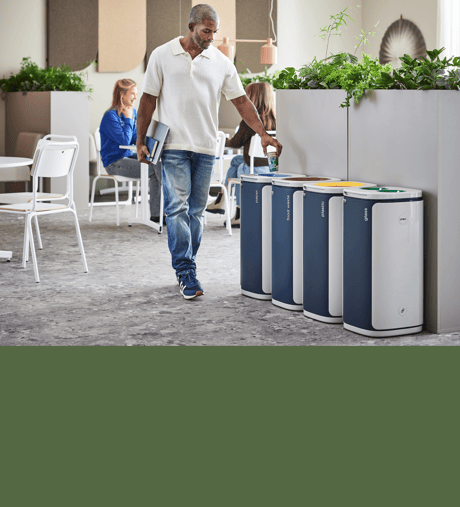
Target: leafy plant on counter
x,y
423,73
342,71
32,78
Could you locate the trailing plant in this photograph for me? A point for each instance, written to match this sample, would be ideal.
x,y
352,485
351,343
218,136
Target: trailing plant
x,y
32,78
432,73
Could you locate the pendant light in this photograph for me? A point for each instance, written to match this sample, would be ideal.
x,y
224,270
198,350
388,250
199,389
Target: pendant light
x,y
268,54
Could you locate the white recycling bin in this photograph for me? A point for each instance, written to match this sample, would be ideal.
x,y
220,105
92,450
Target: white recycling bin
x,y
383,261
255,234
322,248
287,240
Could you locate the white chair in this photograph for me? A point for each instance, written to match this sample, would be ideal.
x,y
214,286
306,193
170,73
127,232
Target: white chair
x,y
219,181
102,174
21,197
26,144
53,159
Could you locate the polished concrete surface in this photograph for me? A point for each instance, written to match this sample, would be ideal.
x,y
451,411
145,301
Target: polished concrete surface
x,y
129,297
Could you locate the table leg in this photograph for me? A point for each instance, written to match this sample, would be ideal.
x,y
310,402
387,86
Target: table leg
x,y
145,214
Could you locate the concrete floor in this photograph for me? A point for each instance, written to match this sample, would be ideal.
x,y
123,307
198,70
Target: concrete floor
x,y
129,297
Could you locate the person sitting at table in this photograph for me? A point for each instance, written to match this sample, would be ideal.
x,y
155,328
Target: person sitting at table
x,y
261,95
118,128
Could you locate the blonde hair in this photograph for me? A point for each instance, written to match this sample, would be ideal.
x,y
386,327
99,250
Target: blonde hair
x,y
120,88
261,95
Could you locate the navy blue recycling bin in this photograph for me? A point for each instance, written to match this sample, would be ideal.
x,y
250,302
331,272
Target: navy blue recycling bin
x,y
322,249
287,240
383,261
255,234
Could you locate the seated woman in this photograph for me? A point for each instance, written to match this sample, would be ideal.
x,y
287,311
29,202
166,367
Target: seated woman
x,y
261,95
118,127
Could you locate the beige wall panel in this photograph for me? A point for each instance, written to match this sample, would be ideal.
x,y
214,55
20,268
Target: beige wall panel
x,y
26,113
72,33
253,22
122,34
226,9
165,21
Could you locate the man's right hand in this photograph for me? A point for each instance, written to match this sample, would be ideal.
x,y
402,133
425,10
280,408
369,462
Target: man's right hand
x,y
142,152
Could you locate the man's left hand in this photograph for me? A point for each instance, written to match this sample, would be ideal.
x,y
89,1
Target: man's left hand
x,y
268,140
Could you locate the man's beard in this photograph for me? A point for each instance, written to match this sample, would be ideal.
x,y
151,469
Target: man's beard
x,y
200,42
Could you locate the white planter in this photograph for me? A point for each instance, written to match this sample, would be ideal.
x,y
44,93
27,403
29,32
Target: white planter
x,y
65,113
410,139
400,138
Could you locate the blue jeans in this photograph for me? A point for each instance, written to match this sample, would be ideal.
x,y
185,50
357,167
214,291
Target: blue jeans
x,y
186,177
238,167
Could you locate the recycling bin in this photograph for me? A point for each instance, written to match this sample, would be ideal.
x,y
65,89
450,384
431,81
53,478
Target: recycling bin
x,y
255,234
322,249
287,240
383,261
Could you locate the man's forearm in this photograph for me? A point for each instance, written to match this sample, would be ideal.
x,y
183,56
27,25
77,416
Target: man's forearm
x,y
249,114
147,107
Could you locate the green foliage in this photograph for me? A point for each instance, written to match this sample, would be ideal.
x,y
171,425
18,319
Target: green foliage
x,y
342,71
32,78
266,77
338,20
362,38
430,73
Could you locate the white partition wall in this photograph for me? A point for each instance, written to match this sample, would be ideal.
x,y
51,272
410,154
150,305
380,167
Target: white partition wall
x,y
313,131
410,138
70,116
393,137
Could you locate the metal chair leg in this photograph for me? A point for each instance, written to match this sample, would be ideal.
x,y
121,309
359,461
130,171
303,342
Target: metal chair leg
x,y
80,241
92,198
32,248
117,200
37,230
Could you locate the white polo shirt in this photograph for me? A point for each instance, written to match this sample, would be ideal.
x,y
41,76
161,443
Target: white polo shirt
x,y
189,93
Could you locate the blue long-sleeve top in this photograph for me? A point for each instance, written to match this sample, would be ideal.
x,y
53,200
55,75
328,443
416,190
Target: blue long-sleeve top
x,y
115,131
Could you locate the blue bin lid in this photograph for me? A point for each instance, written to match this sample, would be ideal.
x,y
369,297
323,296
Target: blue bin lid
x,y
266,177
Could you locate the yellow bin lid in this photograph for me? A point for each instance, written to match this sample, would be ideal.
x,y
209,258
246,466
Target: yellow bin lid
x,y
333,187
341,184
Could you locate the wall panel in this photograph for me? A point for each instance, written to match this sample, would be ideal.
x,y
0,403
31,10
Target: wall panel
x,y
72,33
122,34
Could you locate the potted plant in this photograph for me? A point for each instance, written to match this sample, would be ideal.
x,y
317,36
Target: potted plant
x,y
52,100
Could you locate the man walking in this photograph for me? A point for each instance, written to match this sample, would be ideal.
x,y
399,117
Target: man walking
x,y
185,78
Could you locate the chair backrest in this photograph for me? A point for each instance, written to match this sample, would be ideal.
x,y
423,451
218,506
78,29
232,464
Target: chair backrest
x,y
256,150
100,168
92,148
26,144
55,159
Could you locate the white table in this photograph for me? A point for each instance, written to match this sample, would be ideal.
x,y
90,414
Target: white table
x,y
145,213
5,163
